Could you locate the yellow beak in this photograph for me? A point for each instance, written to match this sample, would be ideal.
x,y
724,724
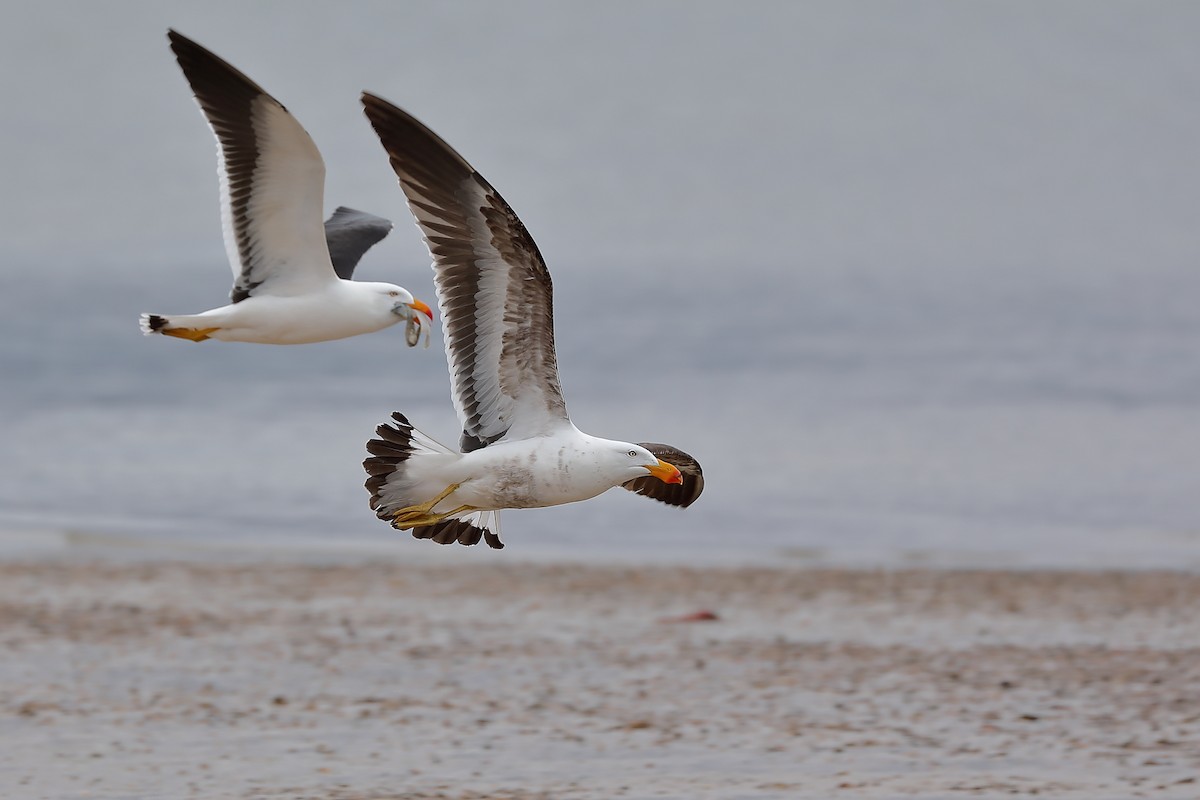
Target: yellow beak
x,y
667,473
417,305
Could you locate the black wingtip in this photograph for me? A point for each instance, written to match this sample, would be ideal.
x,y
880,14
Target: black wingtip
x,y
180,43
205,70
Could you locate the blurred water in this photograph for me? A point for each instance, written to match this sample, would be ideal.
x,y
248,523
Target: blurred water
x,y
1023,436
909,285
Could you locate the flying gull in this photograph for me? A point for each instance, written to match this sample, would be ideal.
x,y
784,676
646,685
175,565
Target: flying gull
x,y
518,448
291,274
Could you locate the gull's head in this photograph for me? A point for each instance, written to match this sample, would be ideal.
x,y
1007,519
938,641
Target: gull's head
x,y
635,461
402,303
399,302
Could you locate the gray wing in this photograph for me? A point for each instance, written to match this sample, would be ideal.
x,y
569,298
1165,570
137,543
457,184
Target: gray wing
x,y
350,234
494,290
271,175
675,494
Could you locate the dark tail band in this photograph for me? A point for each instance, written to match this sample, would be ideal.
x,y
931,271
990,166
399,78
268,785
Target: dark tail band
x,y
389,452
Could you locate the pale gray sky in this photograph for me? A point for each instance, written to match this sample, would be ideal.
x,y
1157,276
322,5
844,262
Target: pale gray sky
x,y
974,137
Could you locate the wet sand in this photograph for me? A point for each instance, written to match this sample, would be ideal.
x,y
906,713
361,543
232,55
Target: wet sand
x,y
460,680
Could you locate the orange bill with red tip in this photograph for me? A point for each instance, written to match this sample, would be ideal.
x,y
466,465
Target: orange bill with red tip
x,y
417,305
667,473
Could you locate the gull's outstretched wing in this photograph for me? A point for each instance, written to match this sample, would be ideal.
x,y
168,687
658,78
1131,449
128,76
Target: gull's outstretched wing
x,y
272,179
350,234
675,494
493,288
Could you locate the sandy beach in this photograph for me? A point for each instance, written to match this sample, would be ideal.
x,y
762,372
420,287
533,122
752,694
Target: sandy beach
x,y
451,679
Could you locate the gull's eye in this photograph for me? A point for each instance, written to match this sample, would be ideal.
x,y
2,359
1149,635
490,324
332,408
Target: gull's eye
x,y
393,294
632,453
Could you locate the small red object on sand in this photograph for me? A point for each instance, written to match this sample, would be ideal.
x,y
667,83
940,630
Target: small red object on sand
x,y
695,616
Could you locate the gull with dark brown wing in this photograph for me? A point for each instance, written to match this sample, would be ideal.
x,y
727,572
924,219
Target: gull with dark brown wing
x,y
291,273
518,448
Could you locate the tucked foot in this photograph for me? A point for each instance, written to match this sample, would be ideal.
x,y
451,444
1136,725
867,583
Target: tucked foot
x,y
191,334
423,514
405,521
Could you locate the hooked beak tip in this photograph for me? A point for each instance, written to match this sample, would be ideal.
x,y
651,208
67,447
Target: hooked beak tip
x,y
667,473
417,305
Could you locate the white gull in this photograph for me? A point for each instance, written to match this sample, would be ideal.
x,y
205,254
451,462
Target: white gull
x,y
287,288
518,448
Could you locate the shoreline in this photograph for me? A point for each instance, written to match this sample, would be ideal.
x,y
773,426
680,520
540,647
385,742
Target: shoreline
x,y
524,680
49,542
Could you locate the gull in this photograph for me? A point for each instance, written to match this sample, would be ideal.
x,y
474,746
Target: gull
x,y
519,448
291,273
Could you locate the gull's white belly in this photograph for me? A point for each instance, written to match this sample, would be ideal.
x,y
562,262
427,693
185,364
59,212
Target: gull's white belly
x,y
532,473
300,319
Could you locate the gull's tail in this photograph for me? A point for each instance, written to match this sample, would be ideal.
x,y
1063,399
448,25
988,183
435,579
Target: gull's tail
x,y
152,323
407,469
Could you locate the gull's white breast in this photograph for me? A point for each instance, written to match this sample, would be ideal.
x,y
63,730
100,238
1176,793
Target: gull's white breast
x,y
532,473
339,310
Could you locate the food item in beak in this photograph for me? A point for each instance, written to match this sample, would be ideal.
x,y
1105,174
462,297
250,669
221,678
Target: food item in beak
x,y
412,331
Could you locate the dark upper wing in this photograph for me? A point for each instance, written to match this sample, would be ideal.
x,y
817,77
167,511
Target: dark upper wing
x,y
493,288
350,234
272,179
676,494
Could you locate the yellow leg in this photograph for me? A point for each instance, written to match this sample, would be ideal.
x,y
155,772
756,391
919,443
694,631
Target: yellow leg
x,y
428,519
192,334
422,513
